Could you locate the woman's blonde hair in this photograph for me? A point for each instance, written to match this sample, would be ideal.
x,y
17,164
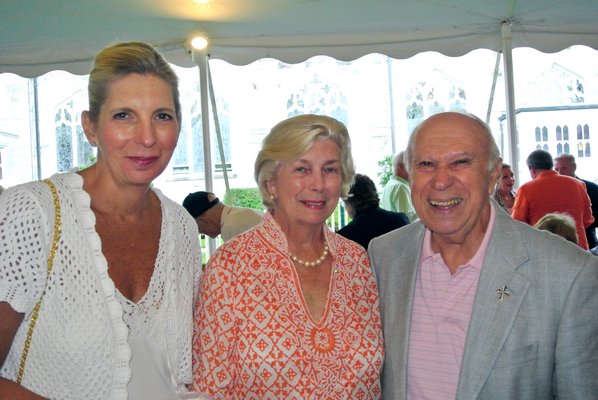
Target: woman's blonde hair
x,y
122,59
290,139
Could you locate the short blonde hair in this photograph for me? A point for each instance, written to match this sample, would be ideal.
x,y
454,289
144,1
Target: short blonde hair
x,y
559,224
122,59
290,139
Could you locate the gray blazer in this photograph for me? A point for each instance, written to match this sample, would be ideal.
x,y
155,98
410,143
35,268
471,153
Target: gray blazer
x,y
541,342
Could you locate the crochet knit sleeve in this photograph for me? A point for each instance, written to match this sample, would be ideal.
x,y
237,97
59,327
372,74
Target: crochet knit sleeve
x,y
24,244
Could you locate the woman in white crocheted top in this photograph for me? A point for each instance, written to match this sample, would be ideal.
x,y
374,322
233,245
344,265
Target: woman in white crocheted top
x,y
116,315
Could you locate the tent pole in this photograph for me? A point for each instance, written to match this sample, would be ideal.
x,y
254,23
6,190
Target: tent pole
x,y
512,145
391,105
218,131
38,147
201,58
493,88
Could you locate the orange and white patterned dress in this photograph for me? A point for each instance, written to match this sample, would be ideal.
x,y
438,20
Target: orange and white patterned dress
x,y
255,338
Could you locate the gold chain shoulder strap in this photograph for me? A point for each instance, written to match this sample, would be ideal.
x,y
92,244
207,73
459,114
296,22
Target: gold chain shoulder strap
x,y
53,248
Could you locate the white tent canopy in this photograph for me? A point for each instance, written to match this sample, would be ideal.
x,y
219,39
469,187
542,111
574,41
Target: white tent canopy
x,y
40,36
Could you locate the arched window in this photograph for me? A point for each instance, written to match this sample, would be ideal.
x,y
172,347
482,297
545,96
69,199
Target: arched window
x,y
189,137
318,99
565,132
435,108
197,146
559,149
579,133
559,133
588,150
188,156
64,148
457,98
579,150
415,111
566,148
64,139
545,147
437,93
85,154
586,131
544,134
538,134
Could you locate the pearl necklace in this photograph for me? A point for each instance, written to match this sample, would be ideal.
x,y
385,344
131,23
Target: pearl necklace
x,y
310,264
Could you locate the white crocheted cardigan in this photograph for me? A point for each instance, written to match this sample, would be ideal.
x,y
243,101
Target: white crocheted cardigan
x,y
79,348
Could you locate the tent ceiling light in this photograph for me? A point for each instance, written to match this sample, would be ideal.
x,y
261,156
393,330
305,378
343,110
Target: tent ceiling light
x,y
199,42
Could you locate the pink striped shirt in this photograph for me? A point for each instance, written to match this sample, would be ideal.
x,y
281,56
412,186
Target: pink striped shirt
x,y
440,319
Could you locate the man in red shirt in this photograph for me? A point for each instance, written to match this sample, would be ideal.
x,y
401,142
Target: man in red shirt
x,y
550,192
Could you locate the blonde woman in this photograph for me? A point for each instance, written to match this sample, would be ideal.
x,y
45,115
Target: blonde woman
x,y
504,194
116,317
289,309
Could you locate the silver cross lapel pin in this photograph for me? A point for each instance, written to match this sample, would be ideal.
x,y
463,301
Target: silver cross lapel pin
x,y
502,292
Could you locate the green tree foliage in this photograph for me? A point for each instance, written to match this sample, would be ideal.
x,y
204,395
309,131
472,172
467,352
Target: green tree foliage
x,y
244,197
385,170
91,159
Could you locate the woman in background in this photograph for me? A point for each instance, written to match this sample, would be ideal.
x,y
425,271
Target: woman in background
x,y
116,317
560,224
504,193
289,309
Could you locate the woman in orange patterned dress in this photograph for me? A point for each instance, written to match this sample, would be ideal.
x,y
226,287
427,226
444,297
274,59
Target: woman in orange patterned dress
x,y
289,309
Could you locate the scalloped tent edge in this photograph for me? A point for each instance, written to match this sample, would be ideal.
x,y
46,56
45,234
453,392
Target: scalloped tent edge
x,y
37,37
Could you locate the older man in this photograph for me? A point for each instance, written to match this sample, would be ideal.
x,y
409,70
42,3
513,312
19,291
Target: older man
x,y
565,164
474,304
396,195
215,218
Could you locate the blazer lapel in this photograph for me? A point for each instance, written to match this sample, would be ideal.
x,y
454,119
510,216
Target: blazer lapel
x,y
491,318
404,304
397,284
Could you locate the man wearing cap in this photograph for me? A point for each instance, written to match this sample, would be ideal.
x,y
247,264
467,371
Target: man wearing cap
x,y
214,218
